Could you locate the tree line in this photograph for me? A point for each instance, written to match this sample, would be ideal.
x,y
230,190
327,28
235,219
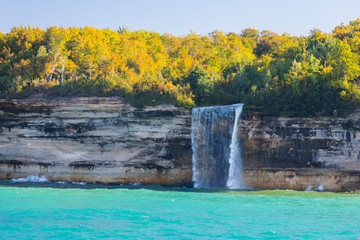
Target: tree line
x,y
315,75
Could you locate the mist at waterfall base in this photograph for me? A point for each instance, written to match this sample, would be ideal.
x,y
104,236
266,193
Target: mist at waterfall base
x,y
217,160
79,212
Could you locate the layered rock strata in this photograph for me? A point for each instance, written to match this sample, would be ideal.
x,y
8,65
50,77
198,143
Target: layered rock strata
x,y
105,140
102,140
294,153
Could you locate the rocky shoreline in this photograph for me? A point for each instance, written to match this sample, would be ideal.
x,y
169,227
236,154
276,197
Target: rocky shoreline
x,y
106,140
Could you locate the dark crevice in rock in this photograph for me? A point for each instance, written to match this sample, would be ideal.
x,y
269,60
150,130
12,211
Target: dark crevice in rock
x,y
83,165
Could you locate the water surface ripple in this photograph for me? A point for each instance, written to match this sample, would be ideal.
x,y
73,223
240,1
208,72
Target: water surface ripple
x,y
31,212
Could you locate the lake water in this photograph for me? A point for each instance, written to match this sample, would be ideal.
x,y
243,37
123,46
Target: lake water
x,y
68,211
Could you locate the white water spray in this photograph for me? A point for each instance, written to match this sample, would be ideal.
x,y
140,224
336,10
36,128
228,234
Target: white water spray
x,y
31,179
235,180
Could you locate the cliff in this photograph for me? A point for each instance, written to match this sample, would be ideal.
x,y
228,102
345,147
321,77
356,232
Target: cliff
x,y
292,153
105,140
102,140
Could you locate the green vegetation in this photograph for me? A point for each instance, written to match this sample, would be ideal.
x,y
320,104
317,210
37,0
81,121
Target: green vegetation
x,y
316,75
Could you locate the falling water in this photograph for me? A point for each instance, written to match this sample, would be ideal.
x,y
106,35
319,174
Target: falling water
x,y
216,150
235,169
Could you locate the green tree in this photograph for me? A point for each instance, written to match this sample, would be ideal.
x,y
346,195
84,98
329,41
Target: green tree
x,y
201,85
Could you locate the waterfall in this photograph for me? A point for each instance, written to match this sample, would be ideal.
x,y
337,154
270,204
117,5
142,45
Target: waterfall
x,y
216,149
235,169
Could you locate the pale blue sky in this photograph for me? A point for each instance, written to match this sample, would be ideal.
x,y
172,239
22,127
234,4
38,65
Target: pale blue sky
x,y
296,17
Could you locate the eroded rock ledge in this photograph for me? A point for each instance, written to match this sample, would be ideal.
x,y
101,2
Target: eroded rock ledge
x,y
105,140
102,140
294,153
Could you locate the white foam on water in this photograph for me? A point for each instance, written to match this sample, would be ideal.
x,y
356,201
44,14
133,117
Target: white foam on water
x,y
309,188
31,179
135,184
320,188
79,183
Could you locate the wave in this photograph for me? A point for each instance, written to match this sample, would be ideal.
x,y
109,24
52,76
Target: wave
x,y
135,184
31,178
320,188
60,182
79,183
41,179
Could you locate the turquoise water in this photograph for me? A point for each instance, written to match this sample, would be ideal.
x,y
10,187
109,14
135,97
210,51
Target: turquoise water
x,y
30,212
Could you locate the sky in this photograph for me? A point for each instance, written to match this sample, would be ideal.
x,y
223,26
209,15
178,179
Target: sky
x,y
178,17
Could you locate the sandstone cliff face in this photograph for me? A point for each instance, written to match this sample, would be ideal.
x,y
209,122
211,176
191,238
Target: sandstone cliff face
x,y
101,140
105,140
290,153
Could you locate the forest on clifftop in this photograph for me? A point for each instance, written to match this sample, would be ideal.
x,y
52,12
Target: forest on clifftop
x,y
315,75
